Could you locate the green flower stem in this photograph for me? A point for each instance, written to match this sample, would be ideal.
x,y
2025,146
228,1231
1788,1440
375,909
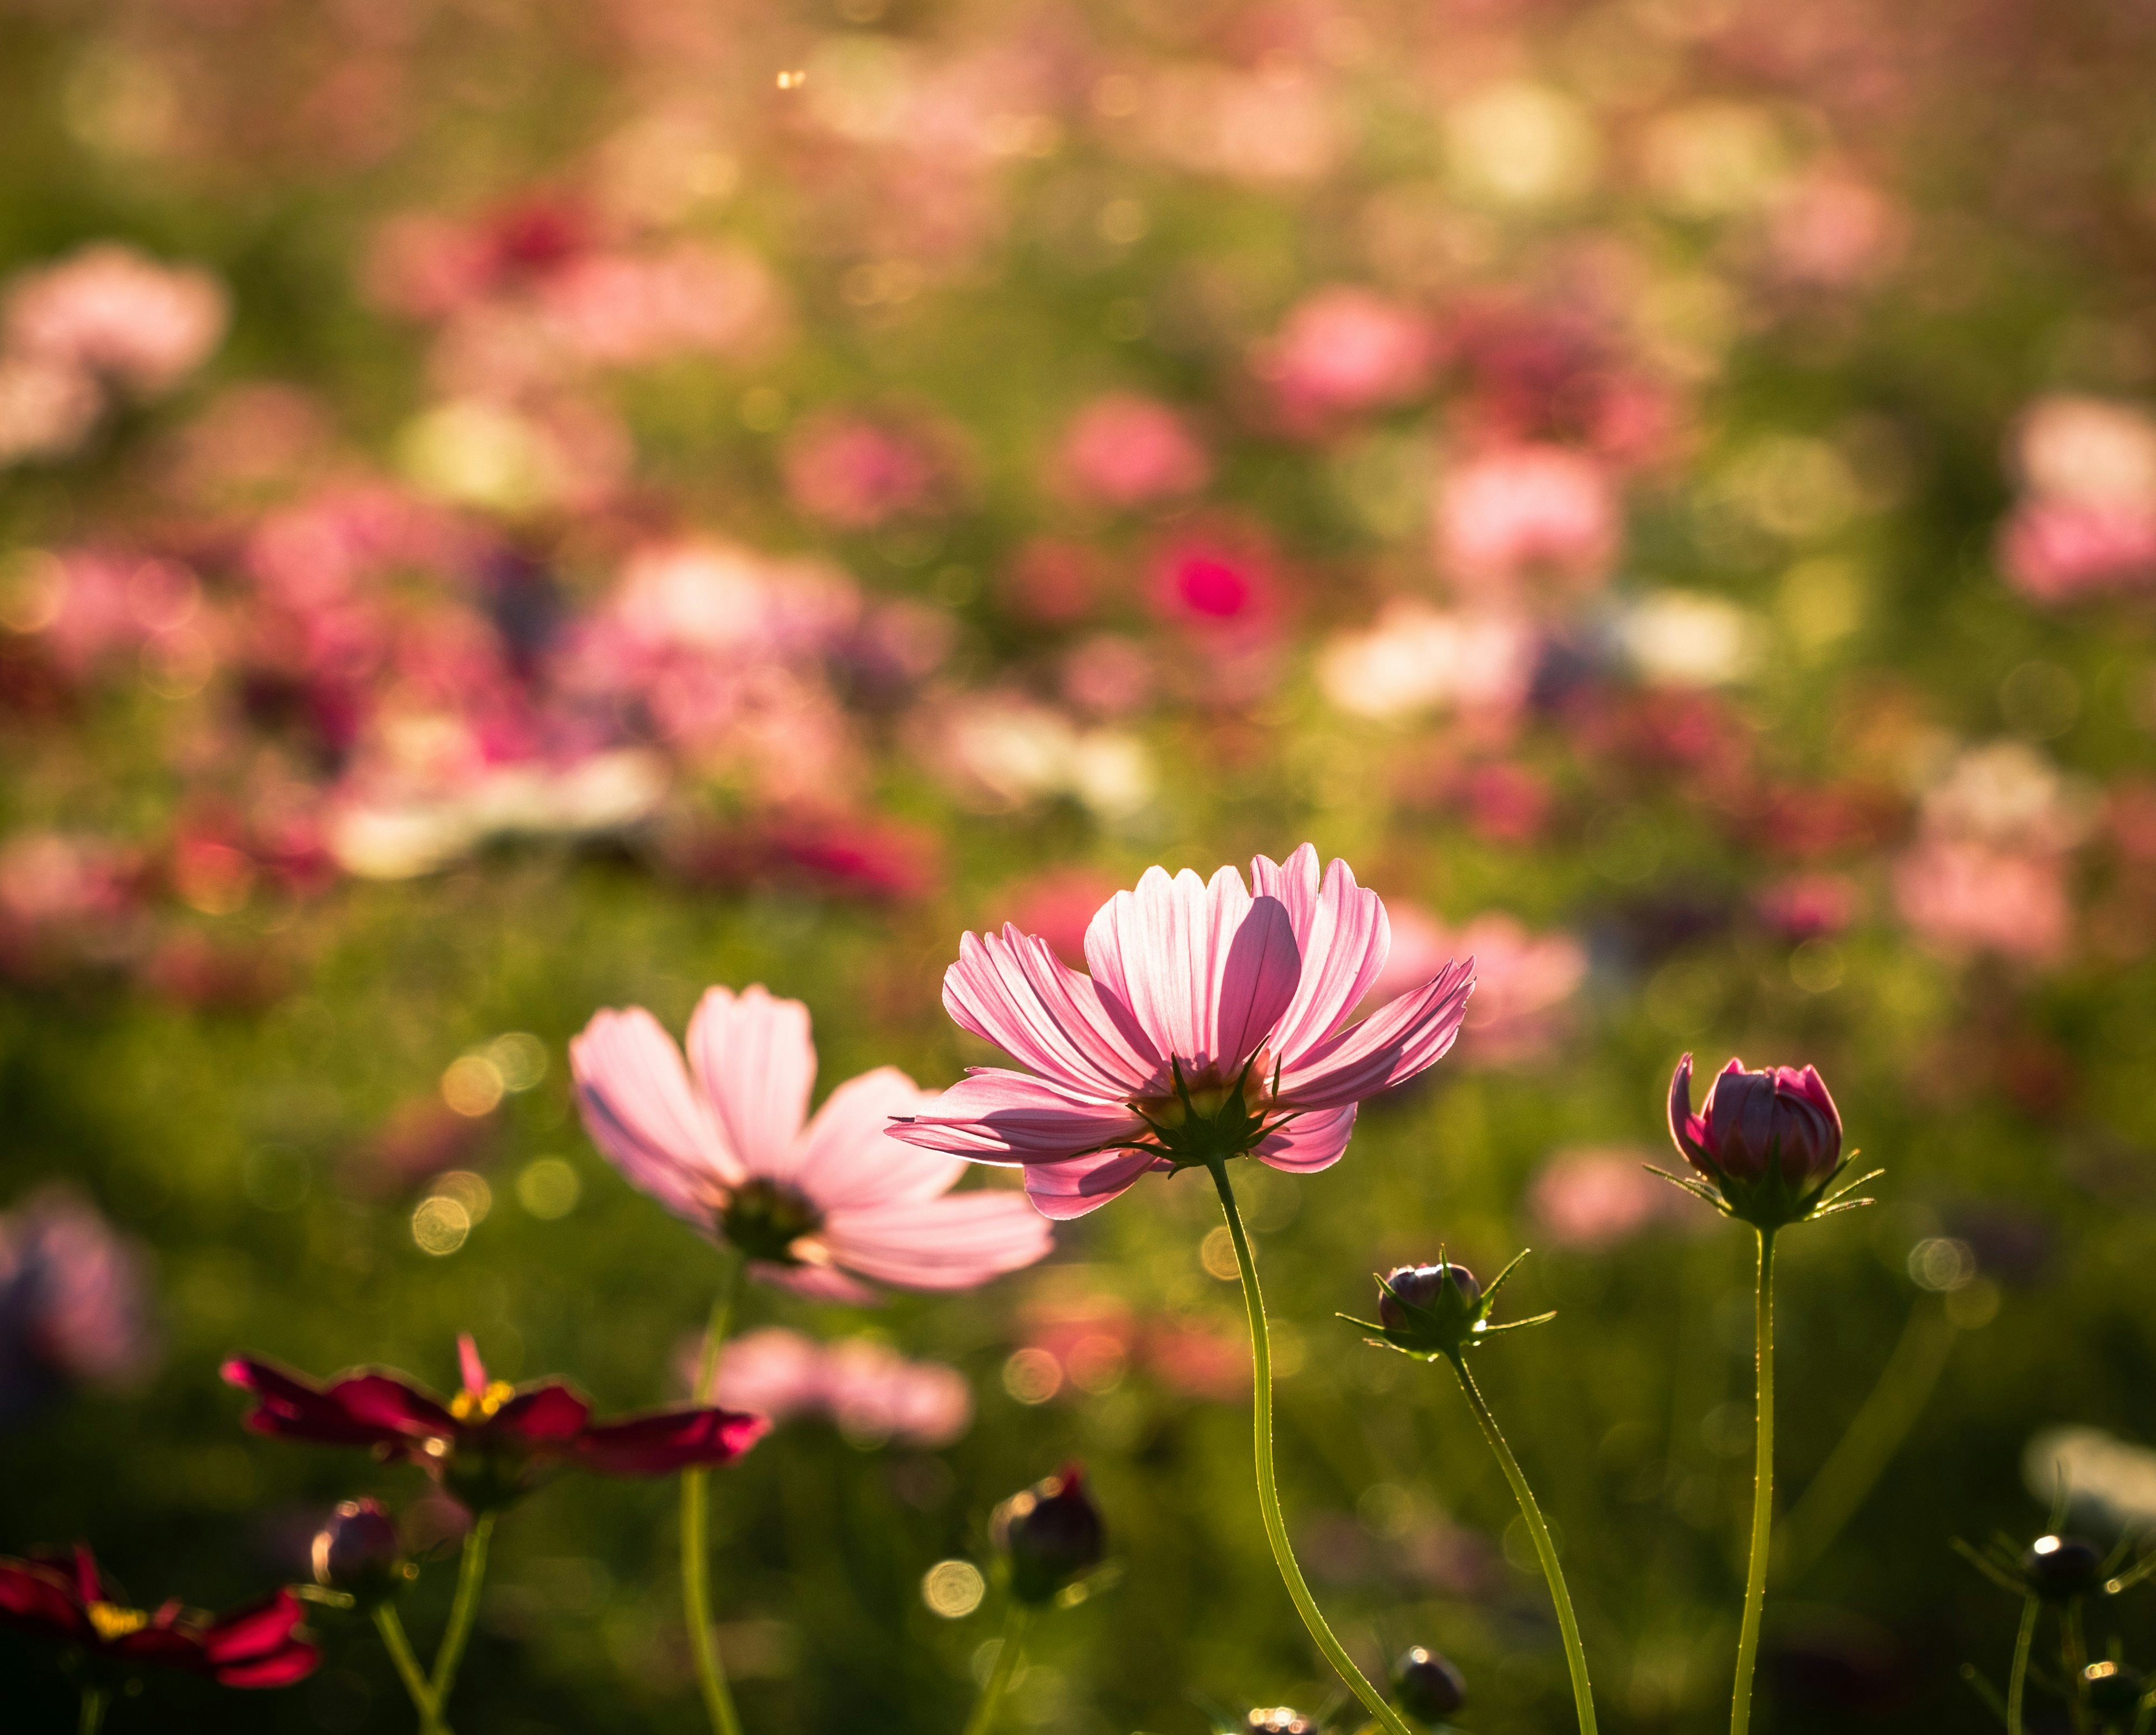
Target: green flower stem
x,y
2073,1658
399,1647
1015,1623
93,1712
471,1573
696,1529
1268,1508
2017,1678
1763,1491
1575,1653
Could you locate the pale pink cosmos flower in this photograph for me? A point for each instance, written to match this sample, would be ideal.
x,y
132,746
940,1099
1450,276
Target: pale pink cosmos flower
x,y
1215,1024
815,1205
1123,451
1598,1197
867,1389
1345,349
1525,510
111,312
1962,896
1524,981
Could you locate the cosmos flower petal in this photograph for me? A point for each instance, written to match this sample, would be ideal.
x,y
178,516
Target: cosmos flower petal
x,y
815,1282
1343,938
1011,989
1309,1142
993,1115
639,1109
1162,950
954,1242
1391,1046
848,1163
392,1404
1257,979
667,1440
752,1057
39,1596
1075,1185
550,1414
289,1407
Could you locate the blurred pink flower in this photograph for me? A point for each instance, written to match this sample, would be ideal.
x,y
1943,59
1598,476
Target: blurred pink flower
x,y
2055,552
1832,228
1110,674
93,608
1269,127
1055,583
53,879
1521,512
1346,350
869,1390
1523,981
1807,905
114,315
75,1299
1124,451
1218,585
1207,1362
814,1204
1058,906
1962,895
1598,1197
856,472
47,408
1215,1024
692,298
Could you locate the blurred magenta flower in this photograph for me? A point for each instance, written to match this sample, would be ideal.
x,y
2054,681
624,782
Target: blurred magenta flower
x,y
1807,905
1518,512
1767,1143
1345,349
74,1301
1124,451
492,1441
1217,585
813,1203
869,1390
856,472
1215,1024
1593,1199
259,1646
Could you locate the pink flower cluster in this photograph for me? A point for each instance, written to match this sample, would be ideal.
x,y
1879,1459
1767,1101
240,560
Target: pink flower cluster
x,y
866,1390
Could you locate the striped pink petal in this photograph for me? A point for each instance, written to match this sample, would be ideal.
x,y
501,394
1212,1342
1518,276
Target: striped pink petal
x,y
1075,1185
994,1115
1343,936
639,1110
1010,989
755,1063
1391,1046
1309,1142
954,1242
846,1161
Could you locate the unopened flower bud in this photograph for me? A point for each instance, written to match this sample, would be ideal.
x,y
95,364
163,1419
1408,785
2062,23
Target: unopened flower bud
x,y
2113,1691
1052,1534
358,1552
2062,1568
1422,1286
1767,1143
1279,1720
1428,1688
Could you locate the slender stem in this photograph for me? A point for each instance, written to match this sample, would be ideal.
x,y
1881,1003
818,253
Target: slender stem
x,y
695,1529
93,1711
1575,1653
1268,1509
471,1573
1015,1623
1762,1491
399,1647
1875,1432
2073,1659
2017,1678
2145,1720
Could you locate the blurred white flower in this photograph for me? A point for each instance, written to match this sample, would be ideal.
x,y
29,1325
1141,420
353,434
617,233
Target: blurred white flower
x,y
1418,658
2088,451
2097,1470
1522,146
1689,638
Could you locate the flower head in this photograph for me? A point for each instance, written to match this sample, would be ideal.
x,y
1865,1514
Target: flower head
x,y
492,1441
814,1204
1440,1309
1215,1024
261,1644
1768,1144
359,1552
1428,1687
1052,1533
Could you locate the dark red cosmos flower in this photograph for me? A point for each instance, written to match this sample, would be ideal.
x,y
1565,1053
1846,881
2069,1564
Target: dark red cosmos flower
x,y
258,1645
493,1441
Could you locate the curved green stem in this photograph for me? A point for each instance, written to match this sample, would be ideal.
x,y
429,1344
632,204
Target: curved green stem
x,y
696,1530
92,1717
1015,1623
392,1629
2017,1678
2073,1660
1575,1653
471,1573
1762,1491
1268,1508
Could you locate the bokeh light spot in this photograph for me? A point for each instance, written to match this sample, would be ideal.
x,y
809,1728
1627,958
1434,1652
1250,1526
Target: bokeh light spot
x,y
1033,1376
440,1225
1217,1254
952,1589
549,1187
472,1086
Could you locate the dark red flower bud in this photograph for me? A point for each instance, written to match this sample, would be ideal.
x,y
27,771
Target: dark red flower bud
x,y
1422,1286
2062,1568
1052,1534
1767,1142
1428,1688
359,1552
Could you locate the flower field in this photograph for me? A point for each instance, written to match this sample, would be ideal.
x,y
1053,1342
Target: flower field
x,y
631,640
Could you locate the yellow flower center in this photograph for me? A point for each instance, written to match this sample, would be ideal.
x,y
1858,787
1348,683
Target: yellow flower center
x,y
114,1622
483,1403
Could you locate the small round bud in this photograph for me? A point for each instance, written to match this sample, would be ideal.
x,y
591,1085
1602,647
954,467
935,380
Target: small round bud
x,y
1279,1720
2062,1568
2114,1690
358,1552
1052,1533
1428,1688
1421,1285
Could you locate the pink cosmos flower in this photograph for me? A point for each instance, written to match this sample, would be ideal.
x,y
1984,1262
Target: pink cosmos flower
x,y
1757,1126
870,1391
1524,981
1512,513
1593,1199
109,312
2058,550
1124,451
815,1205
1215,1024
1345,349
1963,896
856,474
